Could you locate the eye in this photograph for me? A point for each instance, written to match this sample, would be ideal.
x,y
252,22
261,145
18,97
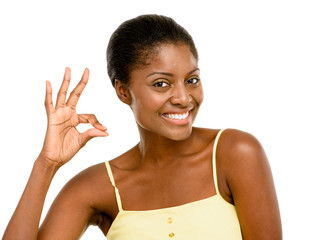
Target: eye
x,y
161,84
193,81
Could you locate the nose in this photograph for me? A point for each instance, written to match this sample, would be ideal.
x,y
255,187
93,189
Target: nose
x,y
180,95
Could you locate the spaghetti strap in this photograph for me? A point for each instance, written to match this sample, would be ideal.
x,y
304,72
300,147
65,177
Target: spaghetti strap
x,y
214,162
112,180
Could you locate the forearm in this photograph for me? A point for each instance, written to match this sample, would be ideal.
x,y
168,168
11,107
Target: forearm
x,y
25,220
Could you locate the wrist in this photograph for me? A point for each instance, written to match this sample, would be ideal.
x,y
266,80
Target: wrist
x,y
46,164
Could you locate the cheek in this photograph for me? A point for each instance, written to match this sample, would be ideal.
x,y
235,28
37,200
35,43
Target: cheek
x,y
198,95
146,107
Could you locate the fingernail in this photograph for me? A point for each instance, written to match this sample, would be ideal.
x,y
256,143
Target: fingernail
x,y
102,126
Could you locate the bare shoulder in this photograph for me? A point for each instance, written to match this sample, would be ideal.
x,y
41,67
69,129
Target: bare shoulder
x,y
94,188
239,141
92,184
86,199
233,144
245,176
241,155
239,147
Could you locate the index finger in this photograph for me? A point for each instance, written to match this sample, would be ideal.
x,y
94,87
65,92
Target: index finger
x,y
76,93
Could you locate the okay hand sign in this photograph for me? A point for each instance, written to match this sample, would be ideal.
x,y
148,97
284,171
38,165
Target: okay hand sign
x,y
62,139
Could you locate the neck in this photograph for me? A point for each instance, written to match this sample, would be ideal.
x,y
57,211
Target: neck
x,y
160,150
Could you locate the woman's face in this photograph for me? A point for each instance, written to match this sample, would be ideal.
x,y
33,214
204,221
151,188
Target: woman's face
x,y
166,94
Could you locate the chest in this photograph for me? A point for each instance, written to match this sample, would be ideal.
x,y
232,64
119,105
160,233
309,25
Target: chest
x,y
166,186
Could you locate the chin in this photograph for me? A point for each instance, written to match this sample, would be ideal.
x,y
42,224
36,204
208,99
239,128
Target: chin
x,y
174,133
179,135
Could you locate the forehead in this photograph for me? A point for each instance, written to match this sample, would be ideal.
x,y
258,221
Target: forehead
x,y
170,58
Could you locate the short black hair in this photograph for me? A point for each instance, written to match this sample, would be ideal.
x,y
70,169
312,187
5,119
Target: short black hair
x,y
136,39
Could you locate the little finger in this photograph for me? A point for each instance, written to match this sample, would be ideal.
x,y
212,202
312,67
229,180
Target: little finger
x,y
48,99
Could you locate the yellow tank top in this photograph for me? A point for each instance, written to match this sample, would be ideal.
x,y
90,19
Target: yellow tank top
x,y
211,218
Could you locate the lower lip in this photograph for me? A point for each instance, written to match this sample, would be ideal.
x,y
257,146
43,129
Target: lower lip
x,y
178,121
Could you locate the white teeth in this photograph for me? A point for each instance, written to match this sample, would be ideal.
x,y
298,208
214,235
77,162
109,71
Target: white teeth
x,y
177,116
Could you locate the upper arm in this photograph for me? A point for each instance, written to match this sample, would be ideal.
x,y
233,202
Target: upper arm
x,y
249,178
73,209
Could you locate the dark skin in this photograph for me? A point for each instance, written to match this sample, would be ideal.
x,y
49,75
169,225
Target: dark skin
x,y
160,171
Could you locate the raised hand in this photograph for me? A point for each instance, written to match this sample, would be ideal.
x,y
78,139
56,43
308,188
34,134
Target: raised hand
x,y
62,139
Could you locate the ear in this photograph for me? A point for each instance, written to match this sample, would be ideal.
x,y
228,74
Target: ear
x,y
122,92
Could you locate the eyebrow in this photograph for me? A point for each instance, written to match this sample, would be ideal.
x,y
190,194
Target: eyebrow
x,y
169,74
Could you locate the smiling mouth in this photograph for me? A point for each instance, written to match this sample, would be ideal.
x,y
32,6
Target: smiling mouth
x,y
176,116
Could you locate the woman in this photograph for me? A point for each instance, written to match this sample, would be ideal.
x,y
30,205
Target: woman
x,y
178,182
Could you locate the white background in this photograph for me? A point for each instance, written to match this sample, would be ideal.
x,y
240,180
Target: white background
x,y
257,63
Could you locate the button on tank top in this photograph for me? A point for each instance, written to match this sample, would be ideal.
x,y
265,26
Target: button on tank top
x,y
211,218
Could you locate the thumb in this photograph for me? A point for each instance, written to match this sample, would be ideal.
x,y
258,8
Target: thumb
x,y
91,133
